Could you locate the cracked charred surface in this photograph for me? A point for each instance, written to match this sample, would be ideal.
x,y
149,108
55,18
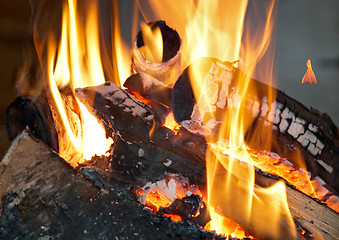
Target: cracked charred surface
x,y
119,112
296,129
44,197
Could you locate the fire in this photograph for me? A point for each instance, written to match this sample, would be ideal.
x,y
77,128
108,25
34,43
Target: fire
x,y
78,65
120,50
208,28
309,76
153,48
170,123
217,29
164,192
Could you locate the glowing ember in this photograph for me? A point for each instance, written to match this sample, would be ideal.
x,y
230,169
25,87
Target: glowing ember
x,y
170,123
164,192
309,76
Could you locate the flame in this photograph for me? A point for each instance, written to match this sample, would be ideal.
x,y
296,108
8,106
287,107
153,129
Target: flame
x,y
78,65
217,29
121,50
153,48
309,76
170,123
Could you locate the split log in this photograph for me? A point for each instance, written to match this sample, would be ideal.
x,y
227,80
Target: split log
x,y
33,114
136,123
43,197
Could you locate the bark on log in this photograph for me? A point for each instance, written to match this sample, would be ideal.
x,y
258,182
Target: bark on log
x,y
133,121
43,197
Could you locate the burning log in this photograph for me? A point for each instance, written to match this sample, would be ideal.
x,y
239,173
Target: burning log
x,y
44,197
136,123
296,129
150,88
167,68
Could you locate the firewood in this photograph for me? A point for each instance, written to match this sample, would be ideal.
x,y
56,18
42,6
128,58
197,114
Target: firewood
x,y
296,129
44,197
169,69
149,87
24,113
136,123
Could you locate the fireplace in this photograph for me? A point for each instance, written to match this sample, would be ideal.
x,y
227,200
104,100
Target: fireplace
x,y
178,142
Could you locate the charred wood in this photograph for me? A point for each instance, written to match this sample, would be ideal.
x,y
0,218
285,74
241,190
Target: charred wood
x,y
33,114
136,123
44,197
149,87
297,131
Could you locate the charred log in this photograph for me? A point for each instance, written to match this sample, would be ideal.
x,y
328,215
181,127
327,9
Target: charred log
x,y
296,129
44,197
35,115
137,124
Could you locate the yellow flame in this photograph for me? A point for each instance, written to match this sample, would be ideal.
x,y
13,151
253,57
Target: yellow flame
x,y
78,65
216,29
170,123
120,50
153,48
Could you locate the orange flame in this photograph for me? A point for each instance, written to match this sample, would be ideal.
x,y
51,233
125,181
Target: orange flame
x,y
170,123
216,28
309,76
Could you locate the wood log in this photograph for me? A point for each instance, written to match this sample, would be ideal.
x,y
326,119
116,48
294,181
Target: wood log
x,y
43,197
296,130
136,123
169,69
33,114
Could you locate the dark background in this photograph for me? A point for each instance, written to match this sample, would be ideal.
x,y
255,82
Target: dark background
x,y
306,29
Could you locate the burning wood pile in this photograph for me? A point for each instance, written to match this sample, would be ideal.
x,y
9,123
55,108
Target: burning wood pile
x,y
190,147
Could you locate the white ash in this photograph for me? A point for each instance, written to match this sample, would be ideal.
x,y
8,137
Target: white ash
x,y
320,145
313,127
166,188
327,167
283,125
264,107
168,162
313,149
255,108
296,128
271,113
276,119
